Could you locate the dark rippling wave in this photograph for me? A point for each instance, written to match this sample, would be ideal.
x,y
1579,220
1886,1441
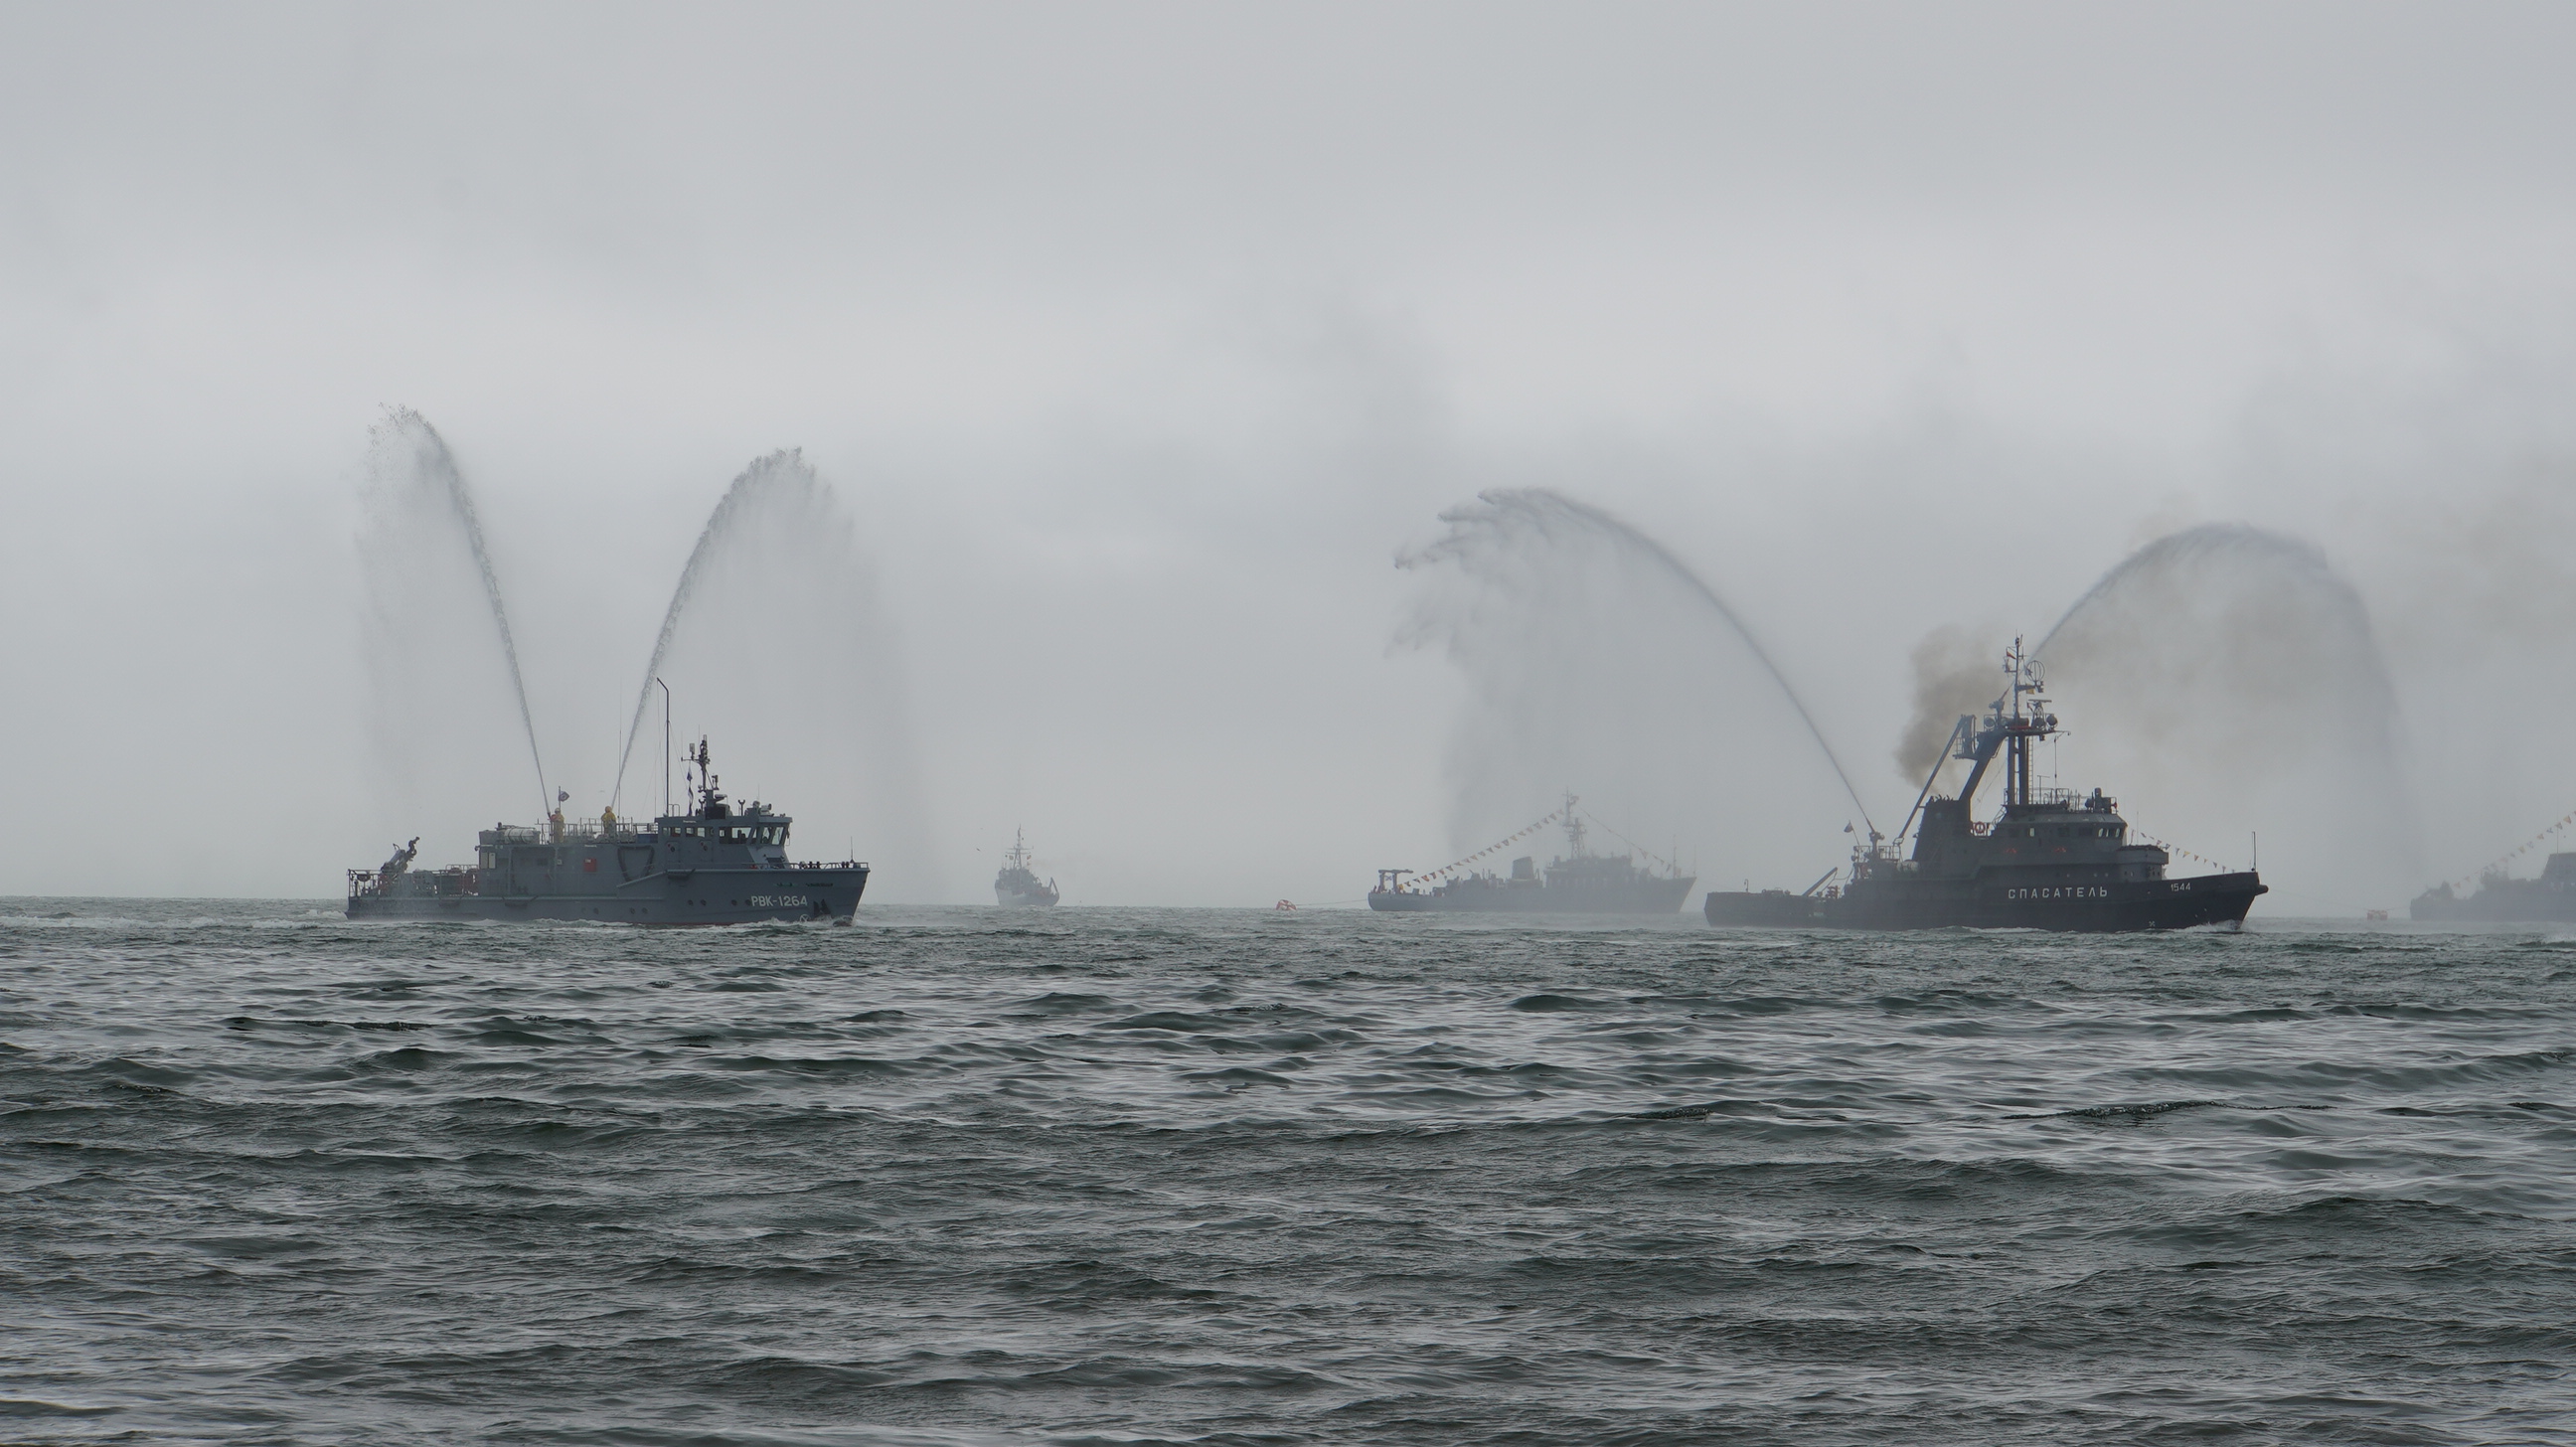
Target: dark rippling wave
x,y
1125,1176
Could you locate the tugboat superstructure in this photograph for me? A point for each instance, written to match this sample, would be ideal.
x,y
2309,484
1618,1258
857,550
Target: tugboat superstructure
x,y
2053,859
717,863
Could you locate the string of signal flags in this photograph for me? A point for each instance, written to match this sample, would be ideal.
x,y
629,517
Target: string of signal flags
x,y
2499,862
2525,847
1504,843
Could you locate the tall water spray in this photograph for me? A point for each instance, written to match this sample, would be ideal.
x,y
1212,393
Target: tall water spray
x,y
415,486
777,644
1508,523
2229,681
2294,560
783,471
2262,612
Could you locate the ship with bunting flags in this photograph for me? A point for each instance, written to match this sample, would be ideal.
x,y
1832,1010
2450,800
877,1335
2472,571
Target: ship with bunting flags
x,y
2500,898
1579,882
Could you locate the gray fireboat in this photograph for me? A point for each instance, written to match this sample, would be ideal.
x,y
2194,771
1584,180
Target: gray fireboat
x,y
2501,898
2054,859
1017,886
1580,882
717,863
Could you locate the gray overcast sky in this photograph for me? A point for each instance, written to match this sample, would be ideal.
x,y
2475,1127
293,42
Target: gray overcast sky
x,y
1140,338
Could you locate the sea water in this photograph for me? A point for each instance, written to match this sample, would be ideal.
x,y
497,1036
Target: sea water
x,y
964,1176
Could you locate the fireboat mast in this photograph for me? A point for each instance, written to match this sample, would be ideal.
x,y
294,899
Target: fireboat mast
x,y
2009,727
2012,726
707,797
2026,727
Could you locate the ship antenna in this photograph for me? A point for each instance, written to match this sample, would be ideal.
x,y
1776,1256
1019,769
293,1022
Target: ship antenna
x,y
2024,724
666,746
2017,770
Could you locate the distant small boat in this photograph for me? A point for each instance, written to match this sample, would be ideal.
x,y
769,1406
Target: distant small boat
x,y
1016,887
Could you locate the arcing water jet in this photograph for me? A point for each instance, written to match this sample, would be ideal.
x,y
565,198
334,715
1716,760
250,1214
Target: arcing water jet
x,y
410,464
777,643
2239,683
2298,561
1502,517
2253,590
782,472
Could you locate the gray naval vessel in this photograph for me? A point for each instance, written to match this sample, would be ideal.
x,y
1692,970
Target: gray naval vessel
x,y
2052,860
1016,887
715,863
2503,899
1580,882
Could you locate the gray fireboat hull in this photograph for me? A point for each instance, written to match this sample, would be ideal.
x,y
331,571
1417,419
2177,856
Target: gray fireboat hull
x,y
2159,904
2499,904
694,897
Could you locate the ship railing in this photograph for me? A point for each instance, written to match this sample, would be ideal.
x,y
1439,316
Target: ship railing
x,y
622,829
824,864
572,829
2057,798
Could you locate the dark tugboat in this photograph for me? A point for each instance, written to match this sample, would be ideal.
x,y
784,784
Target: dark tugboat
x,y
718,863
1017,886
2052,860
2503,899
1581,882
